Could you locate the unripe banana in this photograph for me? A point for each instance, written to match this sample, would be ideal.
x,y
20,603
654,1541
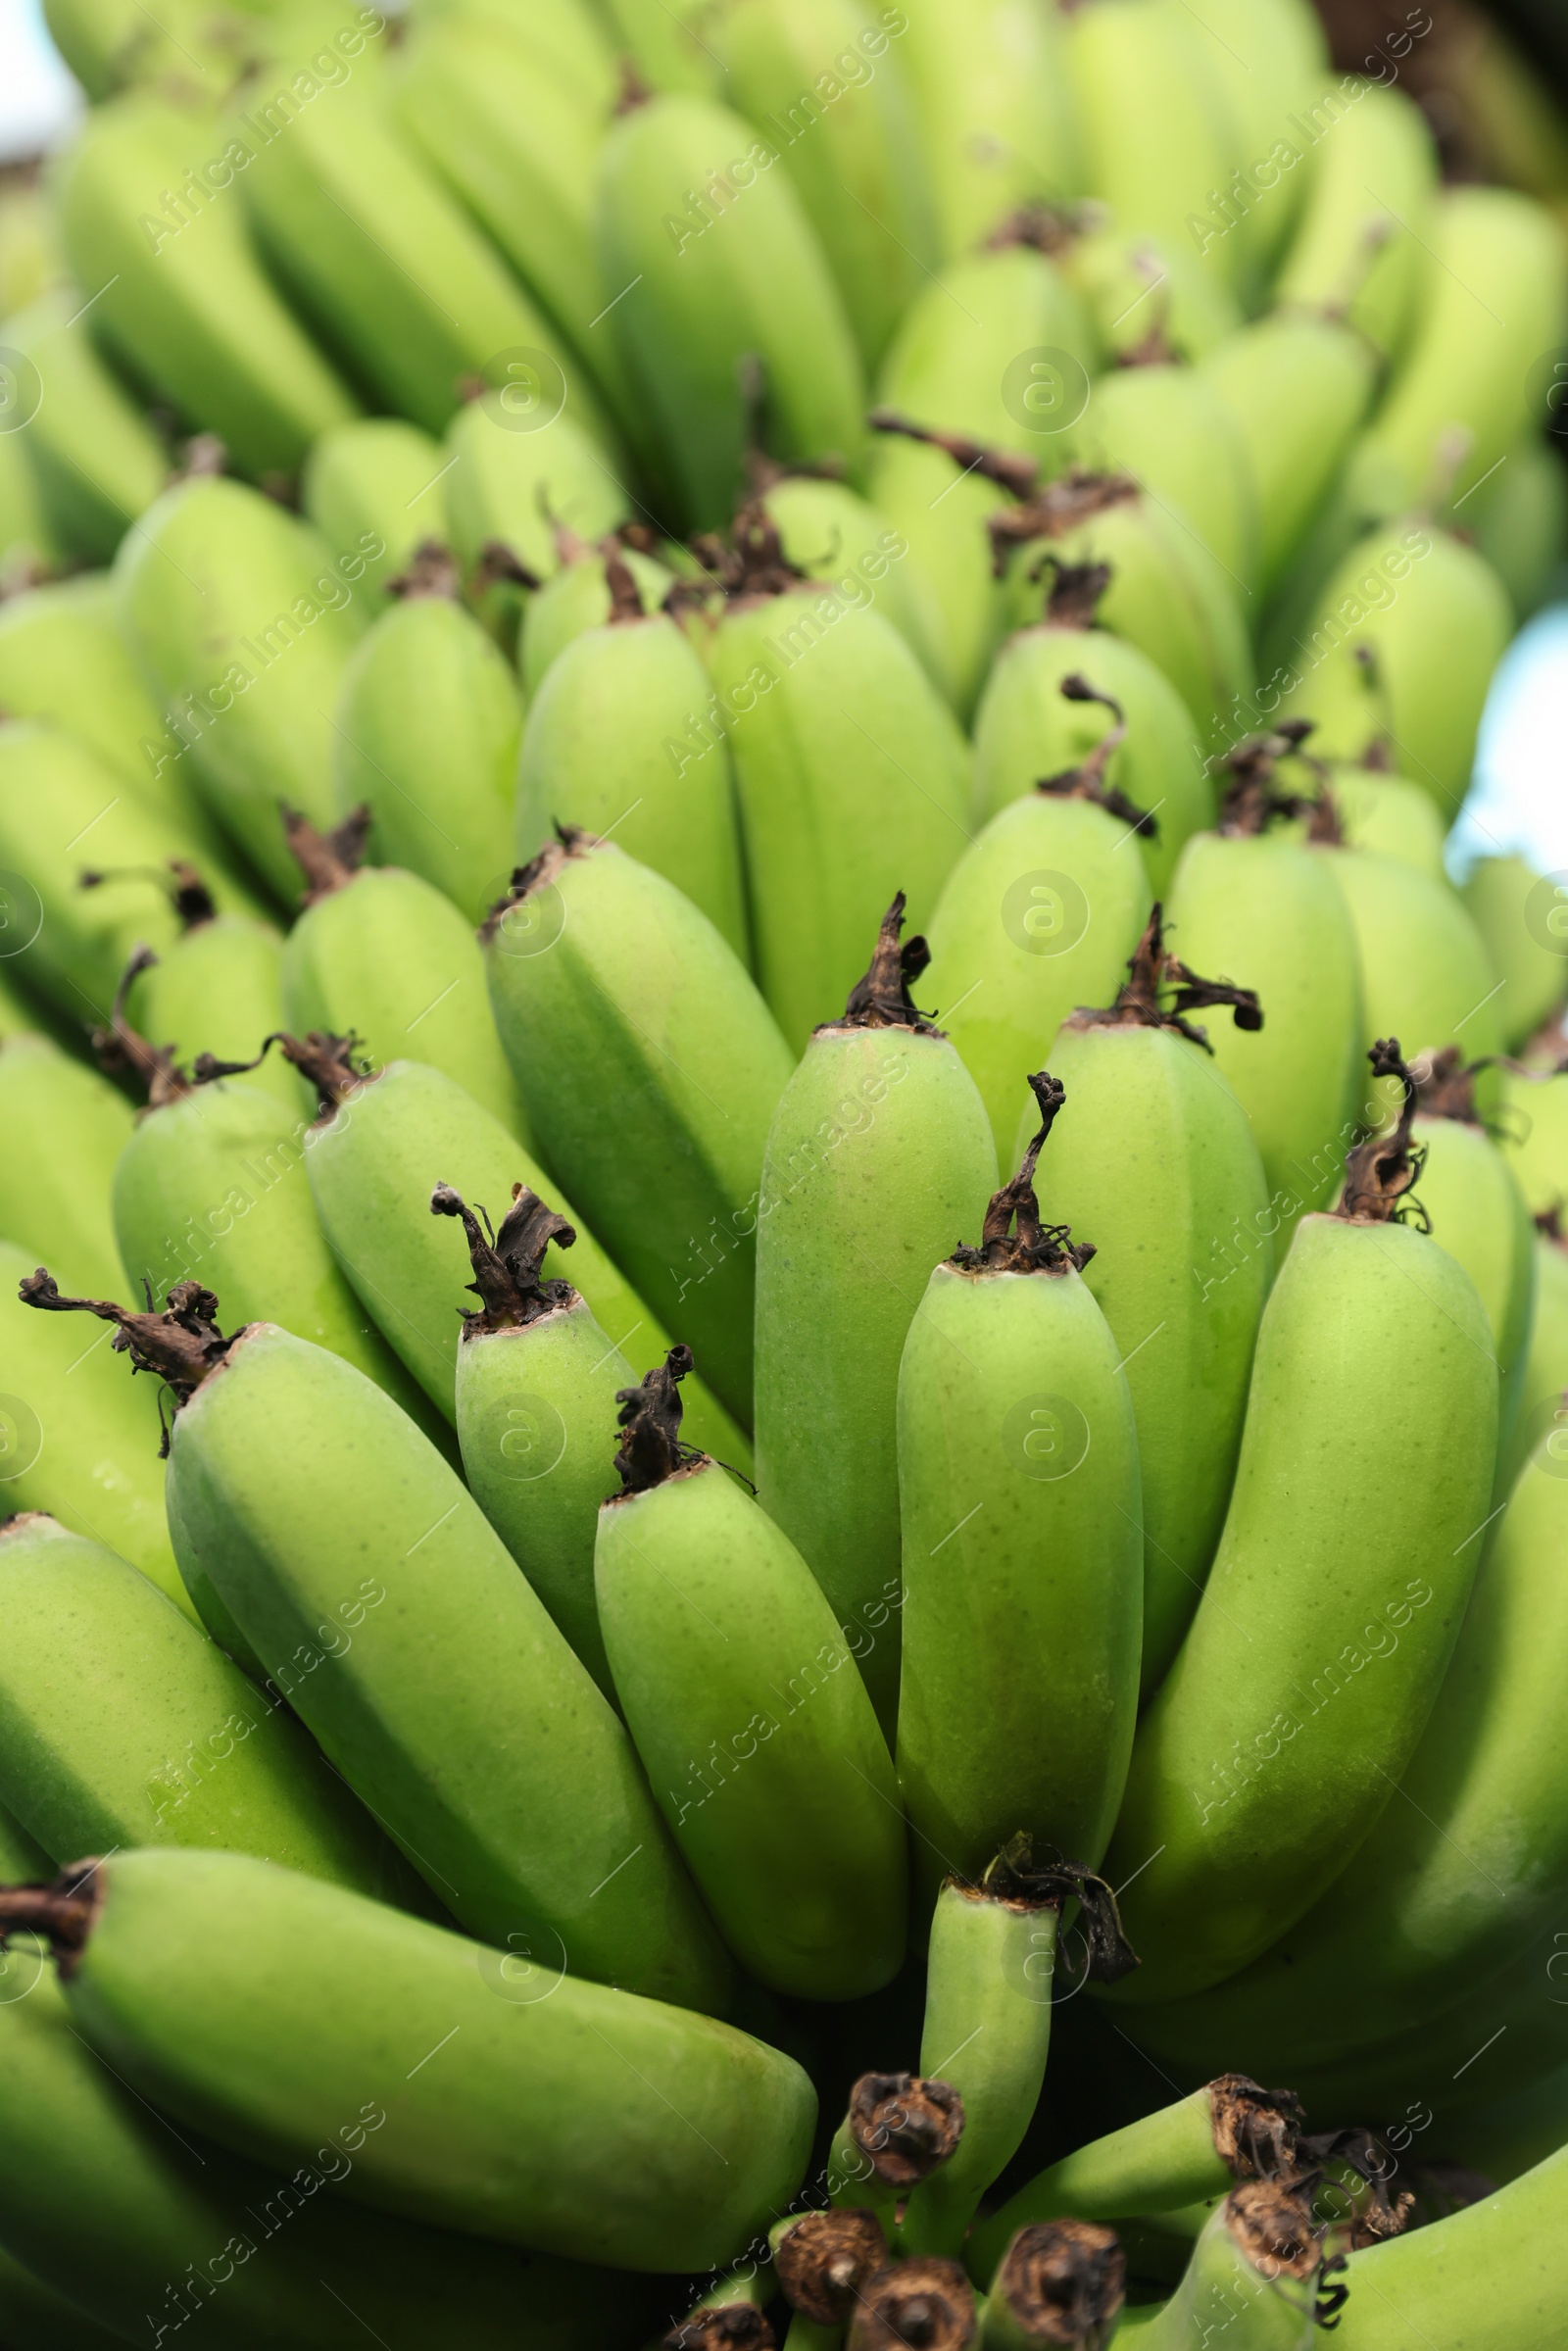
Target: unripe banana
x,y
1469,1861
146,215
516,1818
1526,958
64,1127
574,40
388,266
991,91
516,484
1062,2282
1296,388
1461,398
1143,293
1520,521
1157,133
29,544
1396,818
77,1440
644,1053
1261,2254
1533,1133
578,597
384,957
828,80
1255,907
1032,722
757,1732
1267,56
536,1389
369,481
666,45
1184,2154
551,2116
1156,1159
1016,1444
1543,1374
986,2026
827,533
64,814
216,990
123,1726
1364,238
1166,591
427,731
232,2256
1170,429
242,623
711,260
878,1150
1041,913
1426,977
37,2319
99,462
1290,1714
853,780
21,1857
897,2130
1366,665
1491,2276
951,368
616,742
377,1151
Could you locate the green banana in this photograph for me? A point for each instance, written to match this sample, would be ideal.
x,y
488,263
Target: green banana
x,y
384,956
926,2296
1166,591
1190,310
823,2260
100,463
242,623
64,1128
618,741
151,230
211,1186
645,1055
537,1380
1296,387
762,1749
1426,976
828,532
367,481
21,1857
1515,2135
389,268
1362,665
1256,905
1461,398
1497,896
377,1150
1487,2277
1183,2154
191,2244
1041,913
578,597
1061,2281
1521,525
427,727
1170,429
216,990
562,2131
1054,692
1158,1161
63,658
814,689
1268,56
480,1815
63,815
665,45
1016,1444
986,2030
75,1441
574,39
31,550
37,2319
1251,1783
999,349
711,260
897,2130
865,1178
1155,123
990,90
1533,1132
1261,2258
125,1725
513,485
1543,1375
826,81
1396,818
1364,239
1469,1860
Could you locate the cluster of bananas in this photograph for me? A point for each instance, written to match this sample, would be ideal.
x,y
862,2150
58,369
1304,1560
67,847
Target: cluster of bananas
x,y
665,494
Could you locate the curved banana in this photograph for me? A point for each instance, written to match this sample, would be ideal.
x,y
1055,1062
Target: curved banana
x,y
64,1127
1261,2254
828,532
1525,953
100,463
1426,977
1396,818
1542,1376
578,597
1171,430
372,480
1364,239
216,990
510,483
1296,387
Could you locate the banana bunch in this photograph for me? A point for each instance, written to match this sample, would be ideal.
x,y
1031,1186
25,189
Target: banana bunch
x,y
783,1305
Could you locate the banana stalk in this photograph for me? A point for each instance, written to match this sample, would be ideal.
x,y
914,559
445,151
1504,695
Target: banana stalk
x,y
1263,2259
1061,2282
